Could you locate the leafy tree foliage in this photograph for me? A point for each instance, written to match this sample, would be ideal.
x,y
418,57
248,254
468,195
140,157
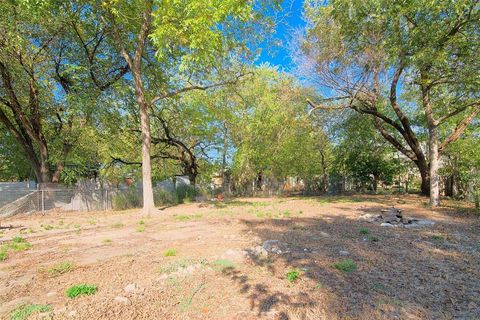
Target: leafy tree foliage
x,y
426,54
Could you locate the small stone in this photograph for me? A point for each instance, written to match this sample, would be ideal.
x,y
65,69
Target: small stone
x,y
44,315
269,244
426,223
51,294
72,313
163,276
130,288
121,299
344,252
61,310
386,224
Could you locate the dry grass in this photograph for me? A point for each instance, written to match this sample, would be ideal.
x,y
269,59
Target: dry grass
x,y
218,272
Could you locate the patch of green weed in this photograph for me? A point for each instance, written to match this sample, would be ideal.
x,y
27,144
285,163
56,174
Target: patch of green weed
x,y
186,217
222,264
118,225
81,289
293,275
345,265
24,311
172,252
60,268
18,244
364,231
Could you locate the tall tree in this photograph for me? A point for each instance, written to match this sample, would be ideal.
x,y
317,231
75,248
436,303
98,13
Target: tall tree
x,y
426,54
164,42
54,63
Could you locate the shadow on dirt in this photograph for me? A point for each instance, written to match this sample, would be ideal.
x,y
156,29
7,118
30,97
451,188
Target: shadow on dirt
x,y
400,273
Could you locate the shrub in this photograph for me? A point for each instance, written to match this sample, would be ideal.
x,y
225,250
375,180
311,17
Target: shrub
x,y
293,275
81,289
163,197
185,193
24,311
3,255
127,199
172,252
345,265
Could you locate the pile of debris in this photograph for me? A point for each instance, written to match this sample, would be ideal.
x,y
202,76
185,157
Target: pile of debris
x,y
394,217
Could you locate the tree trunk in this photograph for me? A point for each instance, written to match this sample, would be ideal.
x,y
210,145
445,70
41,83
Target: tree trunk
x,y
224,158
192,178
425,176
434,166
148,204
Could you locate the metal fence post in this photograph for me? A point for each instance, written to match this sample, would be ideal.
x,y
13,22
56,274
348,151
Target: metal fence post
x,y
43,201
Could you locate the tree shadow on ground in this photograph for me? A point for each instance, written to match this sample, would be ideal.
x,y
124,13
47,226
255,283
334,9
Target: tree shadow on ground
x,y
400,272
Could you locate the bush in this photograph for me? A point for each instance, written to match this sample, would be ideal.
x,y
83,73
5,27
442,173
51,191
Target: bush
x,y
185,193
163,197
81,289
127,199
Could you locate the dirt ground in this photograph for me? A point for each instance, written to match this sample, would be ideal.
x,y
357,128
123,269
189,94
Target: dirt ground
x,y
217,268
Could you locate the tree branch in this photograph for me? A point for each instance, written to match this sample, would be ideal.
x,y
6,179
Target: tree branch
x,y
198,87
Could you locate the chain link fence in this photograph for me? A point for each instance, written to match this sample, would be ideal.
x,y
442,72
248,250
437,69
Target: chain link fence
x,y
41,201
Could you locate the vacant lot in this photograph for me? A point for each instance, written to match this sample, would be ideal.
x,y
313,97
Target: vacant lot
x,y
282,258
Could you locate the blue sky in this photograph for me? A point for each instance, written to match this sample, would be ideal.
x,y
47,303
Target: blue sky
x,y
291,19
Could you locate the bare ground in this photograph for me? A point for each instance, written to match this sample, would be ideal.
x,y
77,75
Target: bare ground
x,y
220,272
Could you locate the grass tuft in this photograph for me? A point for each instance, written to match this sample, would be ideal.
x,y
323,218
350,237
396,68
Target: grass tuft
x,y
81,289
118,225
172,252
373,239
364,231
293,275
60,268
18,244
3,255
186,217
223,264
345,265
24,311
